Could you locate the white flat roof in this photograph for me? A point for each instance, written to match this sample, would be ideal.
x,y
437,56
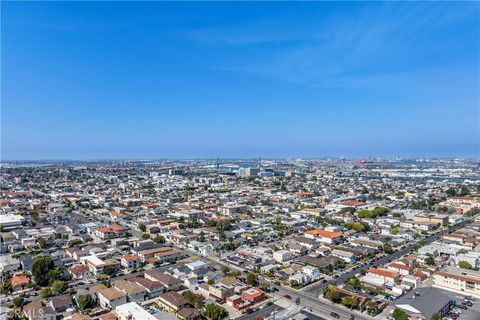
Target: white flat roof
x,y
135,311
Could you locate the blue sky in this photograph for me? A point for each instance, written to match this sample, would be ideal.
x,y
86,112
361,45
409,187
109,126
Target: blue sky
x,y
195,80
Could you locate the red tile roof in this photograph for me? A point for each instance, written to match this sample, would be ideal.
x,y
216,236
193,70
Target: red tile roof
x,y
20,280
324,233
383,273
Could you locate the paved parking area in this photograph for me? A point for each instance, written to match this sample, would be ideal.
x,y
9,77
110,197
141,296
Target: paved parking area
x,y
262,313
473,313
308,316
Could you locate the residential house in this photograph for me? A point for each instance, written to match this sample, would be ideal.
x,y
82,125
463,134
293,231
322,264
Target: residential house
x,y
35,310
325,236
170,283
171,301
111,297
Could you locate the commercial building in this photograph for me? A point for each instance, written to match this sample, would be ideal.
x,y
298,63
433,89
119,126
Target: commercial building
x,y
424,303
458,280
11,221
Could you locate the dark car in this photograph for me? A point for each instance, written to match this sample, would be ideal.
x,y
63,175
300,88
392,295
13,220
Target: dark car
x,y
248,311
335,315
467,303
287,296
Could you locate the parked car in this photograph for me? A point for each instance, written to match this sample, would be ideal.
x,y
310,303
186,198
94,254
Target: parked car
x,y
335,315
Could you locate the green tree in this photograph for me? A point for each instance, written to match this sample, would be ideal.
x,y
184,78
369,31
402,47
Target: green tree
x,y
350,302
394,230
85,301
106,283
18,301
46,292
107,270
270,273
380,211
252,279
210,282
40,268
225,270
59,287
354,282
451,192
340,264
74,242
194,299
365,214
142,227
235,273
437,316
293,283
224,225
214,312
264,285
387,248
42,243
7,284
465,265
159,239
464,191
399,314
211,223
145,236
201,236
359,227
332,293
430,260
472,212
54,274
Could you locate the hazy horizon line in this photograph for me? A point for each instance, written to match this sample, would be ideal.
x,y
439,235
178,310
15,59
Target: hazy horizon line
x,y
246,158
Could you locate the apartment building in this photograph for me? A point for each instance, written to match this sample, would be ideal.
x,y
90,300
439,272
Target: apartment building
x,y
132,311
228,210
458,280
114,231
94,264
131,262
441,219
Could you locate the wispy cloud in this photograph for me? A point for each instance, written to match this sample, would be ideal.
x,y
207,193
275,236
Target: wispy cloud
x,y
373,40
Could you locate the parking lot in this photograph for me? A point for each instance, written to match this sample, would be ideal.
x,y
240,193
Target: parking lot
x,y
262,313
472,313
